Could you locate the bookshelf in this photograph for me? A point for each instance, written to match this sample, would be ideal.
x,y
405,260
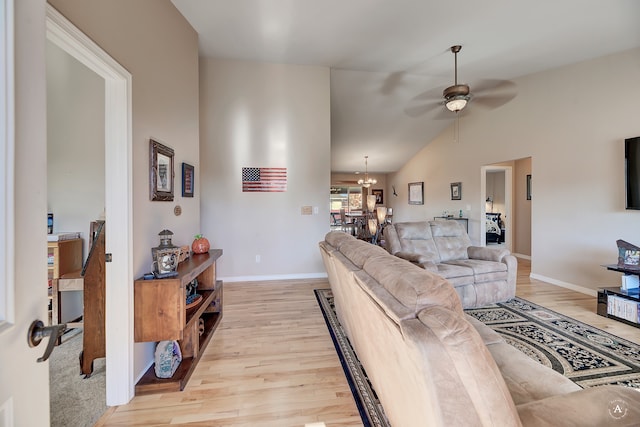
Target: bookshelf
x,y
618,303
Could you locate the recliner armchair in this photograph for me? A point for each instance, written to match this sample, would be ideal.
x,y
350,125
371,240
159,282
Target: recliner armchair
x,y
480,275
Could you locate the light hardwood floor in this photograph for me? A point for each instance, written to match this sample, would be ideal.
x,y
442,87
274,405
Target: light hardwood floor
x,y
272,362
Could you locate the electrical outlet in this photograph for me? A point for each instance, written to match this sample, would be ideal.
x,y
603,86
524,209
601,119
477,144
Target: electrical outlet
x,y
258,259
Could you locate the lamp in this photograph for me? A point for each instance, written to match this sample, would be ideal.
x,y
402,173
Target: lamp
x,y
457,102
489,204
373,230
373,226
382,214
371,203
366,182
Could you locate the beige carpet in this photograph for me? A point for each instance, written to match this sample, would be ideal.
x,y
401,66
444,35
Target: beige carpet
x,y
75,401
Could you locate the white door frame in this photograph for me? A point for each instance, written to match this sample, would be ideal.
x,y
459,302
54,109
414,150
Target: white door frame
x,y
118,201
7,161
508,203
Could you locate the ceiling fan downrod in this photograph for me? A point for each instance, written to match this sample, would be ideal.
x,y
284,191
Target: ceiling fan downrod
x,y
455,49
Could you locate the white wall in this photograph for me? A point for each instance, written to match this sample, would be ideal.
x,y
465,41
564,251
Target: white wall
x,y
264,115
572,124
154,42
75,143
521,208
495,190
75,153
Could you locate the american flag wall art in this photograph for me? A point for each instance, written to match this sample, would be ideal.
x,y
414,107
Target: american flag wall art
x,y
268,180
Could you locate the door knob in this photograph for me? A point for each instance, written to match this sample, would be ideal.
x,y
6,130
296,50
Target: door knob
x,y
37,331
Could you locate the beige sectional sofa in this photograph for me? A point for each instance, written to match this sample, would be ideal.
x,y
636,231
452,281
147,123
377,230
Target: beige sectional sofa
x,y
432,365
480,275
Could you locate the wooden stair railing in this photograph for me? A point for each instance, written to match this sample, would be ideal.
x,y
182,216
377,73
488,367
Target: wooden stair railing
x,y
93,273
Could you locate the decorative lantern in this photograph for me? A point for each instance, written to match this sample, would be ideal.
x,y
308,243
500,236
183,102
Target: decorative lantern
x,y
165,256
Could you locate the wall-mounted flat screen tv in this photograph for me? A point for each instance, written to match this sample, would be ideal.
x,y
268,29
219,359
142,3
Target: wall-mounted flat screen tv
x,y
632,171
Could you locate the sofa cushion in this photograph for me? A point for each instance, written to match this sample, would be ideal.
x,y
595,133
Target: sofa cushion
x,y
392,308
488,335
416,237
483,271
358,251
451,271
489,254
470,387
412,286
527,379
337,238
451,240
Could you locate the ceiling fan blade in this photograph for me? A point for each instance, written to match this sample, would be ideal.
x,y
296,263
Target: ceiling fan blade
x,y
492,94
493,86
419,110
491,102
425,102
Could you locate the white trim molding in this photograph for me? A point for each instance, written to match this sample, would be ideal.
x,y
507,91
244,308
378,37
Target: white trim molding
x,y
581,289
7,166
274,277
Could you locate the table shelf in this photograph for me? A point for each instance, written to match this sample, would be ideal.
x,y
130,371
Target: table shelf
x,y
160,314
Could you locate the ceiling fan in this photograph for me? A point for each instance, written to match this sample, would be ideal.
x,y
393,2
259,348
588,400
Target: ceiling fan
x,y
456,96
487,93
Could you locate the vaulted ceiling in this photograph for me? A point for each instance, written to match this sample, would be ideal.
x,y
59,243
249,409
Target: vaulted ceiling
x,y
390,60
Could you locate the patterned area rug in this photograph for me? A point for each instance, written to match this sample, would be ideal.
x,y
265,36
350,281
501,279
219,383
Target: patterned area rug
x,y
366,399
586,355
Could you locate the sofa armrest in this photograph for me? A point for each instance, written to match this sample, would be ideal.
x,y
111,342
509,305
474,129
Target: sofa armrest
x,y
418,259
487,254
413,257
597,406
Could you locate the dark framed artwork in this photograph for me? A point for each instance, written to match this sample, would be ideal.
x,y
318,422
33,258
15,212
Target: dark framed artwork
x,y
456,191
416,193
161,173
188,180
528,187
379,196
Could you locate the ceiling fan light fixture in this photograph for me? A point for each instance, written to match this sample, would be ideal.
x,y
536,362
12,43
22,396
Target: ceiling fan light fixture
x,y
457,103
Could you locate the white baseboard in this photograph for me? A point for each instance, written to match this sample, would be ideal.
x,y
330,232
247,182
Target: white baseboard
x,y
274,277
581,289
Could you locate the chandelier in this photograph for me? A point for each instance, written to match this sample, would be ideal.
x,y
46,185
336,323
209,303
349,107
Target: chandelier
x,y
366,182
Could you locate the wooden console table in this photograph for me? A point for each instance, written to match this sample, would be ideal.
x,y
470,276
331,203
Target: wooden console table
x,y
160,313
631,296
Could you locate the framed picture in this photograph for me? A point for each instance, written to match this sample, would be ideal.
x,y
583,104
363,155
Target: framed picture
x,y
379,198
456,191
160,172
528,187
187,180
416,193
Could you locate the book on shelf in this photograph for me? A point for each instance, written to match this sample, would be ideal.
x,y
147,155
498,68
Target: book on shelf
x,y
623,308
63,235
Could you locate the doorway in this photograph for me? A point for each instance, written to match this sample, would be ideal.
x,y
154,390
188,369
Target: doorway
x,y
75,198
117,199
497,195
516,209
